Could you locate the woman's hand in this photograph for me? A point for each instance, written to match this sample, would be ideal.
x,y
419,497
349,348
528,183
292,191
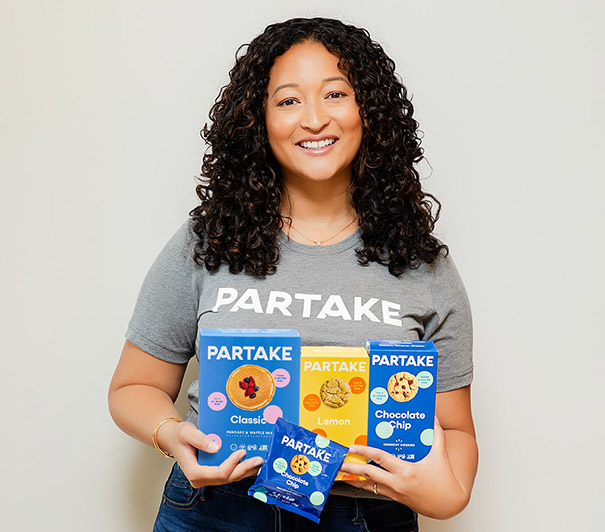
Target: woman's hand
x,y
183,440
428,486
439,485
142,393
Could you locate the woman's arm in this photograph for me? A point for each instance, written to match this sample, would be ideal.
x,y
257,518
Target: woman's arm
x,y
142,394
439,485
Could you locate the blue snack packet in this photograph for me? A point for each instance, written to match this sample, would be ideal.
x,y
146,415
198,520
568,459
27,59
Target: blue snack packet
x,y
299,470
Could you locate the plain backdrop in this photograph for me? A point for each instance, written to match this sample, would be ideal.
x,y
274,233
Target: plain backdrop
x,y
101,107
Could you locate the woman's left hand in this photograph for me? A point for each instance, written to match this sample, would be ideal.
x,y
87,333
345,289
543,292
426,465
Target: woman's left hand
x,y
429,486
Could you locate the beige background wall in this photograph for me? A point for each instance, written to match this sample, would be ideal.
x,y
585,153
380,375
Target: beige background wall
x,y
102,103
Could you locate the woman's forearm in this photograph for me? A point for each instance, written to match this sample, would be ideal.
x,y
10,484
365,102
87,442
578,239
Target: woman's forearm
x,y
142,394
463,455
138,409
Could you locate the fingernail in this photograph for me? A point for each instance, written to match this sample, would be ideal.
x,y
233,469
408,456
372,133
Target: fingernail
x,y
353,449
257,461
212,447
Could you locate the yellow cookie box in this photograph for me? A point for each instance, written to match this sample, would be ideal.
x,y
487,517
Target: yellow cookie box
x,y
334,395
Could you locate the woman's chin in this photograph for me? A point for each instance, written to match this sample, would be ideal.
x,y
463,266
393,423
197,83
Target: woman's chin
x,y
318,177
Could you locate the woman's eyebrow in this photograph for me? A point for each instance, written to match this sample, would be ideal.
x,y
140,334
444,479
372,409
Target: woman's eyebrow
x,y
336,78
325,80
285,85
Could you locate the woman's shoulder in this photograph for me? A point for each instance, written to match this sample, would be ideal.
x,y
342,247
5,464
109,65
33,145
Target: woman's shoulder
x,y
447,286
440,276
179,250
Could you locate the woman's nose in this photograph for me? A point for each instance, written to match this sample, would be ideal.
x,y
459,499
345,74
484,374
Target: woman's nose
x,y
314,116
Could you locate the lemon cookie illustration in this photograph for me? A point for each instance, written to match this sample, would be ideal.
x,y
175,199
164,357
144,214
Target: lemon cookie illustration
x,y
402,386
250,387
299,464
335,392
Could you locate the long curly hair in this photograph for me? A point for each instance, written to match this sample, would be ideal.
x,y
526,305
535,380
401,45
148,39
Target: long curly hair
x,y
238,221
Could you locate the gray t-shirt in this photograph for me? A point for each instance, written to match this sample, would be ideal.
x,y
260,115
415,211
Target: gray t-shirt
x,y
320,290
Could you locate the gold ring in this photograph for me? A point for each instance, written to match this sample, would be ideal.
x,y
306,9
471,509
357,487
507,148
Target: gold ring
x,y
374,489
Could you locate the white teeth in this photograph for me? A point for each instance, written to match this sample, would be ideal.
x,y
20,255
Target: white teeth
x,y
315,145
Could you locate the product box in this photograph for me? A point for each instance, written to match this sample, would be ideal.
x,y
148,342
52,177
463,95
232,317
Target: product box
x,y
248,379
334,395
401,412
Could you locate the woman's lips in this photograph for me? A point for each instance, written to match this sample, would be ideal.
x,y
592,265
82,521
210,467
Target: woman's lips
x,y
319,150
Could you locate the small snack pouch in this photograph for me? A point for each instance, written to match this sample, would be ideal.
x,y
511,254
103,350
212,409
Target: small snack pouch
x,y
299,470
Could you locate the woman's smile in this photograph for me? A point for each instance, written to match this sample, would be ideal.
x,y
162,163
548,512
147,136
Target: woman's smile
x,y
317,145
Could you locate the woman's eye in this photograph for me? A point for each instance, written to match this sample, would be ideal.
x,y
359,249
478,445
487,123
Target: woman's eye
x,y
286,103
334,95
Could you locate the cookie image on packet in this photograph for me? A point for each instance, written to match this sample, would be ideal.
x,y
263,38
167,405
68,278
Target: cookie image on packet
x,y
300,464
299,470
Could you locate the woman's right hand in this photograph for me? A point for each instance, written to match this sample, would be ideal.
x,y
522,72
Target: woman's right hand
x,y
142,392
183,440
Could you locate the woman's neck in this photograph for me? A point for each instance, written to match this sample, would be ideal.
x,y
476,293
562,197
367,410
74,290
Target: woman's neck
x,y
324,214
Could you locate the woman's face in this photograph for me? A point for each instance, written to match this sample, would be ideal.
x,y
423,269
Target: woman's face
x,y
313,123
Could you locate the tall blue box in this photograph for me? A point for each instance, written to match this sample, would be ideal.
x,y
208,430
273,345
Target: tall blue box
x,y
248,378
401,411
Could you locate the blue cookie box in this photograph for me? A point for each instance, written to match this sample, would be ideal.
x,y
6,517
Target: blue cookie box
x,y
404,429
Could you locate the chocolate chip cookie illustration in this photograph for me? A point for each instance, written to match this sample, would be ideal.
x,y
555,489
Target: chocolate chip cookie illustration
x,y
402,386
335,392
299,464
250,387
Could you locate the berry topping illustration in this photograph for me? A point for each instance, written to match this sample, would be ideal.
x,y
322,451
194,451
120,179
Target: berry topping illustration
x,y
249,386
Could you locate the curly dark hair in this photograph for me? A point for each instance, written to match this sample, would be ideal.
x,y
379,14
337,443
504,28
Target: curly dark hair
x,y
238,221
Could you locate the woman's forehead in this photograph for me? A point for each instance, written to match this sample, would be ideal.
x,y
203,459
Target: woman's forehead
x,y
304,62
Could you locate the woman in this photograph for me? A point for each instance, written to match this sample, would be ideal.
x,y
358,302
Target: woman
x,y
311,217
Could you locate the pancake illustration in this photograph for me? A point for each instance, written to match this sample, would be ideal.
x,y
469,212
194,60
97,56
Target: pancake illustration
x,y
250,387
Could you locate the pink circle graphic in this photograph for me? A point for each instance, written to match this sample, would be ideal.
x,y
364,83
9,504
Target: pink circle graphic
x,y
216,438
281,378
217,401
271,413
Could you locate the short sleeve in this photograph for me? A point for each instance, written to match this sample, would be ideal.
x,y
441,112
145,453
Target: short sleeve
x,y
164,321
450,328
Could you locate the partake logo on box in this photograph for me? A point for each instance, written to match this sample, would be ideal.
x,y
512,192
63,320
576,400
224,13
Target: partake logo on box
x,y
337,366
427,361
249,352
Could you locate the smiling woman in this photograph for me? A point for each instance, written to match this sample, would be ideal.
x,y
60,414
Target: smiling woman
x,y
311,216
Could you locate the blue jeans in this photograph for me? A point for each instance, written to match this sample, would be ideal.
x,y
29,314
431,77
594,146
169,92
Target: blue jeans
x,y
229,508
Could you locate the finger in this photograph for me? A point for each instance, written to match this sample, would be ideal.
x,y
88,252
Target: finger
x,y
381,489
227,467
255,461
199,440
241,469
369,471
438,433
246,468
378,456
438,427
214,475
438,448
